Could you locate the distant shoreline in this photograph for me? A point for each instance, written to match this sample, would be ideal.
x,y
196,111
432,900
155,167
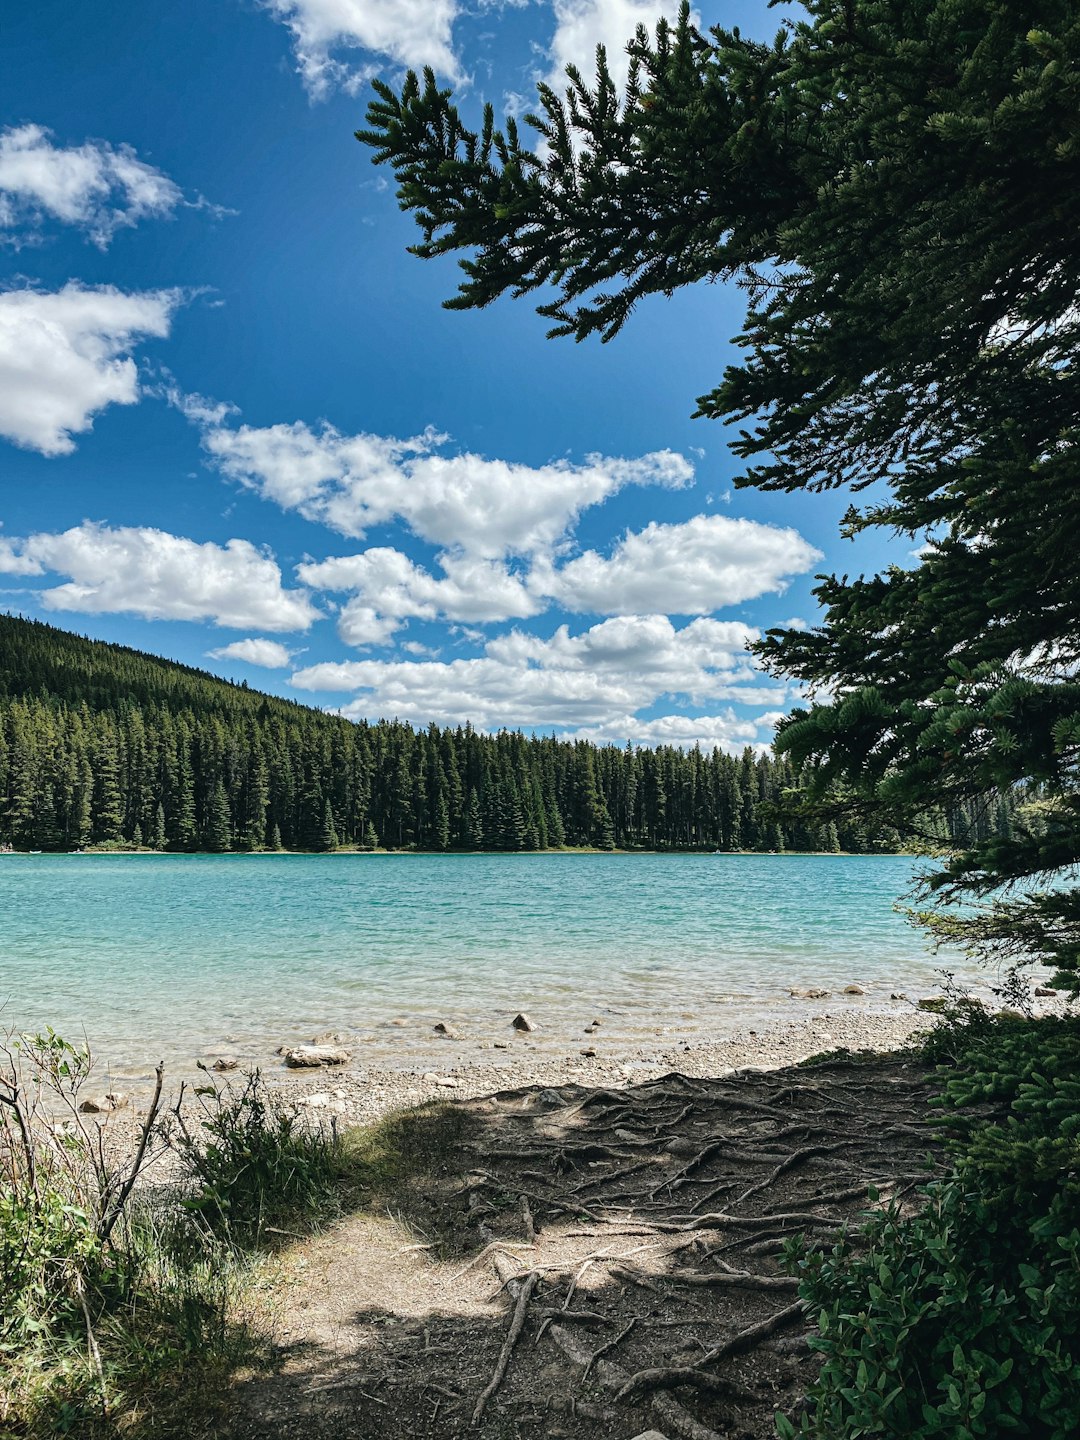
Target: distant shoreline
x,y
569,850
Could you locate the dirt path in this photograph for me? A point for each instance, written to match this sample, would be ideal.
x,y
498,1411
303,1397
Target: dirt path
x,y
585,1262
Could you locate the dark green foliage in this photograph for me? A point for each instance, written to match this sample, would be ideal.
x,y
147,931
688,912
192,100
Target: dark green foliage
x,y
897,189
964,1320
192,763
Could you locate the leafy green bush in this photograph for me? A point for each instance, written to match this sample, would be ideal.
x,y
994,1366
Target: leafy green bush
x,y
105,1323
254,1166
963,1320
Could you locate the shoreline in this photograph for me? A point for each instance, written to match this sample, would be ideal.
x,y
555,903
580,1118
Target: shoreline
x,y
352,852
367,1093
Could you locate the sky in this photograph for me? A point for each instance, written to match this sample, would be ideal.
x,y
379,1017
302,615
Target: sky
x,y
238,429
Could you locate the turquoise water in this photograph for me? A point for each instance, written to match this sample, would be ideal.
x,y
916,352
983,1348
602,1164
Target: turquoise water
x,y
182,956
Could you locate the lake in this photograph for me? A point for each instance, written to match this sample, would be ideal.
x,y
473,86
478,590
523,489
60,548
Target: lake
x,y
179,956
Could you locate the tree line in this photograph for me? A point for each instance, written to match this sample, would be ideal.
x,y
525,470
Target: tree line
x,y
103,745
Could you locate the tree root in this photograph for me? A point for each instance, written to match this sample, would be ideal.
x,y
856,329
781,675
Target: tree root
x,y
735,1279
517,1324
669,1377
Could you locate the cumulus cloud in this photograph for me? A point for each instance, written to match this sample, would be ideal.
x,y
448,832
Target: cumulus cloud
x,y
614,669
725,731
389,589
489,508
411,32
270,654
66,354
97,187
691,568
92,186
14,562
582,25
159,576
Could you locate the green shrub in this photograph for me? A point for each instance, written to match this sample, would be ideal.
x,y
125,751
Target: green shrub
x,y
253,1166
107,1326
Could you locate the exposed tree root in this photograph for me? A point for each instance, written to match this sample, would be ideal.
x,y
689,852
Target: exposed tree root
x,y
517,1324
670,1377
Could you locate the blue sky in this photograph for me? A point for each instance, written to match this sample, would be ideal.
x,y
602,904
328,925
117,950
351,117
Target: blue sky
x,y
238,429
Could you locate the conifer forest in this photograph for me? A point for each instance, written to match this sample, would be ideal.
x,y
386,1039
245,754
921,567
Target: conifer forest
x,y
102,745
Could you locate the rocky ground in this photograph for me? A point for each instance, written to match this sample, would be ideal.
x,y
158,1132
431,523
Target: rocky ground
x,y
583,1245
367,1093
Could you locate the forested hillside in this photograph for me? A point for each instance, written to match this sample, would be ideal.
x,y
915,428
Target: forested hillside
x,y
100,744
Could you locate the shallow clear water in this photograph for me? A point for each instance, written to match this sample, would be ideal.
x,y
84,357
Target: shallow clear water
x,y
182,956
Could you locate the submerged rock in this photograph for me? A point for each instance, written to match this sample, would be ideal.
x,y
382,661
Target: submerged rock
x,y
442,1027
102,1104
522,1022
310,1057
226,1062
854,990
813,993
331,1037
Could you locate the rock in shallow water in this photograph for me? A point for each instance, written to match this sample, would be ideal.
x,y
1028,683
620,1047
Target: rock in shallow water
x,y
102,1104
523,1023
310,1057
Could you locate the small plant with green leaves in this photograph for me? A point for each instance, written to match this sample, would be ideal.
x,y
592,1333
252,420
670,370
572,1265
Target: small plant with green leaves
x,y
253,1166
102,1315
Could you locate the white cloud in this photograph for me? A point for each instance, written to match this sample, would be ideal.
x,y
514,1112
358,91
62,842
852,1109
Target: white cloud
x,y
581,25
270,654
686,569
723,732
160,576
691,568
14,562
390,589
599,678
489,508
410,32
66,354
94,186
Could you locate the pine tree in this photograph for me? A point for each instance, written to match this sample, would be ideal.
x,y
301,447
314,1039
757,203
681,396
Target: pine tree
x,y
217,829
897,187
328,837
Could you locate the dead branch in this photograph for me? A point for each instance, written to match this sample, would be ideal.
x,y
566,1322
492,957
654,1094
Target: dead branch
x,y
114,1207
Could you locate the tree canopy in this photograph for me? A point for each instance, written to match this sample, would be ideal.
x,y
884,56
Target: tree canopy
x,y
897,189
